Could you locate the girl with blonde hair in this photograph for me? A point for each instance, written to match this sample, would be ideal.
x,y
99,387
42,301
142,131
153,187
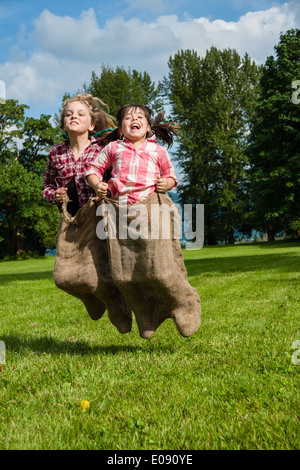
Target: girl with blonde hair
x,y
83,121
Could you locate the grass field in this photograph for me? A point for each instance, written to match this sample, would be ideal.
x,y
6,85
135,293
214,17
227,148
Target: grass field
x,y
232,385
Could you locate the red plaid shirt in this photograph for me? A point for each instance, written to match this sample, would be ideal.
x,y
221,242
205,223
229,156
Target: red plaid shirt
x,y
134,171
62,166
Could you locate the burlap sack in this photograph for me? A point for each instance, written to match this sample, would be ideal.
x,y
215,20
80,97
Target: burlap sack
x,y
82,267
149,271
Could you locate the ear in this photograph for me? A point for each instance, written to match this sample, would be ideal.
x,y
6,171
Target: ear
x,y
92,127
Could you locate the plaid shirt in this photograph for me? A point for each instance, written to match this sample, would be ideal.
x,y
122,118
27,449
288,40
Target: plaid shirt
x,y
135,171
62,166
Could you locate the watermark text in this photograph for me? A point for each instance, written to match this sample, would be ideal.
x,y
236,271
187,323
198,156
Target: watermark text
x,y
296,354
2,352
2,91
164,222
296,93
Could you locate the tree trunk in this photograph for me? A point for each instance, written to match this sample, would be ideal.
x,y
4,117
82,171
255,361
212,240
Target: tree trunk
x,y
12,243
230,236
271,234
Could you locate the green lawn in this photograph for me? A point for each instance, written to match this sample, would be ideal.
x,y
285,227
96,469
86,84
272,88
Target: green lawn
x,y
233,385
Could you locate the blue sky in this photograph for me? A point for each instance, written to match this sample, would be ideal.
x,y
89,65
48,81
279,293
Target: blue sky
x,y
51,47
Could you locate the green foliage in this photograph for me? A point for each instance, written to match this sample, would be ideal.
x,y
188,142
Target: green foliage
x,y
232,385
212,99
39,136
27,223
119,87
11,124
275,142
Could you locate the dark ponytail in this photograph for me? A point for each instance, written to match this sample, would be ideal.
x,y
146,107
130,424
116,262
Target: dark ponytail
x,y
163,130
114,135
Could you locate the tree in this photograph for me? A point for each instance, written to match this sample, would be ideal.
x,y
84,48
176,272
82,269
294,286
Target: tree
x,y
26,221
12,117
119,87
38,137
274,148
212,98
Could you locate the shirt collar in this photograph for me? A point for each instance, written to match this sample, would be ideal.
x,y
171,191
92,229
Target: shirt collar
x,y
152,138
92,139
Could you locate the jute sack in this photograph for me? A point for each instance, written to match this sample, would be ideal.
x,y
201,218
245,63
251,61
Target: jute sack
x,y
82,267
149,270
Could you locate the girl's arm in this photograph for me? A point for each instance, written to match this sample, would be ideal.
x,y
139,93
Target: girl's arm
x,y
164,184
167,179
95,171
98,186
97,167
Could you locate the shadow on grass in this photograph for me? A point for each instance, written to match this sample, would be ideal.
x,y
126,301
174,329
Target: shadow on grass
x,y
231,264
32,276
288,262
263,245
274,244
48,345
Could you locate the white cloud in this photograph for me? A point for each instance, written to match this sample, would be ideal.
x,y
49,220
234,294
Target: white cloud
x,y
67,49
67,36
255,33
82,39
27,81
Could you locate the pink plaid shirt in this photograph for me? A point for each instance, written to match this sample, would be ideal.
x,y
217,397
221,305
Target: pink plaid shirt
x,y
61,166
134,171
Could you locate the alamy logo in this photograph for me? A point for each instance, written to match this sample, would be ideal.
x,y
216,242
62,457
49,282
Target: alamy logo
x,y
2,352
296,94
163,222
2,91
295,358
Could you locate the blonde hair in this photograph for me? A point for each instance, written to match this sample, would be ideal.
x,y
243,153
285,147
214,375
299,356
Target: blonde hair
x,y
100,118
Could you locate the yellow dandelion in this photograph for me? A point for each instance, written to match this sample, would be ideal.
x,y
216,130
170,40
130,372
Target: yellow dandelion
x,y
85,404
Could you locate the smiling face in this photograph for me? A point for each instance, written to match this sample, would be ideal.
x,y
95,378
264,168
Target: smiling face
x,y
77,118
135,126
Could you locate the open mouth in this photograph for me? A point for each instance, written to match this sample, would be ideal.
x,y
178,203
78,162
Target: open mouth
x,y
135,126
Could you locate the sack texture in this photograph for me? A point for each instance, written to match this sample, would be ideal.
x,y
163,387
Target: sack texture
x,y
149,271
141,271
82,268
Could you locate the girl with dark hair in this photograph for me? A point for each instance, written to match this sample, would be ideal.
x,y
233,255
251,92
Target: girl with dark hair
x,y
139,165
